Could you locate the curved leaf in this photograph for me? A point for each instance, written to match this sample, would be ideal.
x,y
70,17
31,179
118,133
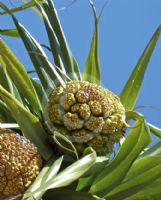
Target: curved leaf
x,y
4,78
40,92
34,8
153,191
47,173
71,67
88,178
131,90
20,8
29,124
113,174
153,150
155,130
19,76
142,174
68,175
45,70
7,83
9,32
92,67
147,194
64,143
55,47
6,114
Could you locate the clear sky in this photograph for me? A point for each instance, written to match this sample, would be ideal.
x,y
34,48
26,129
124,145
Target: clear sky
x,y
126,26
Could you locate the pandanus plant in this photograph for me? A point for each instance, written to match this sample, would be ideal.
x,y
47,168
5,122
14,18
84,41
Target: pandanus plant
x,y
58,133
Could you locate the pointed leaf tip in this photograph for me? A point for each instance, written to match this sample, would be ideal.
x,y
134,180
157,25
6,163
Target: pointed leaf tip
x,y
92,66
131,90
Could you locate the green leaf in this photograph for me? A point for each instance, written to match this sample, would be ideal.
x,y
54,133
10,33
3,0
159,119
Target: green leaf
x,y
153,150
20,77
86,182
45,70
29,124
41,59
153,191
76,69
6,81
142,173
88,178
147,194
4,78
64,143
21,8
47,173
38,181
10,32
70,66
31,71
34,54
142,165
113,174
131,90
68,175
40,92
53,170
133,115
61,194
92,66
6,115
155,130
34,9
55,47
3,117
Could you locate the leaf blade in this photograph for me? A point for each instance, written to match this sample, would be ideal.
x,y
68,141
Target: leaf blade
x,y
20,8
131,89
142,173
92,67
68,175
29,124
9,32
112,175
70,66
20,77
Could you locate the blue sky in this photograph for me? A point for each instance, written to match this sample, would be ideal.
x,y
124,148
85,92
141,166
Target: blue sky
x,y
126,26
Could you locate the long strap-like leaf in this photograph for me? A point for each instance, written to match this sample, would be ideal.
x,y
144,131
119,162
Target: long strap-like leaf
x,y
131,90
34,50
55,47
68,58
92,67
7,83
114,173
29,124
9,32
20,8
141,175
47,173
20,77
67,176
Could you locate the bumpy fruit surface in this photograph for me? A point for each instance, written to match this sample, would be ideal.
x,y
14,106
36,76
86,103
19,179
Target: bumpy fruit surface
x,y
20,163
88,115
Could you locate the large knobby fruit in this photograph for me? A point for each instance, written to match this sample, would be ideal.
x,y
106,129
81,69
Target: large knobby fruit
x,y
88,115
20,163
